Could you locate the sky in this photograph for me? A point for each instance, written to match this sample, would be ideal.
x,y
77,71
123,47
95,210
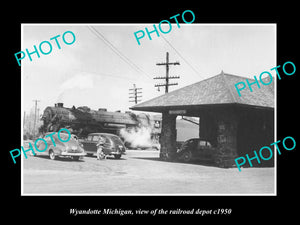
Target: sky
x,y
90,72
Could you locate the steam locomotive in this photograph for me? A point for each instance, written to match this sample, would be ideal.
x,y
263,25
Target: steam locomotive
x,y
82,120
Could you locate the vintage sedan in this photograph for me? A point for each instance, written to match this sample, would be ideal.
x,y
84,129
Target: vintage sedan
x,y
200,149
113,145
71,148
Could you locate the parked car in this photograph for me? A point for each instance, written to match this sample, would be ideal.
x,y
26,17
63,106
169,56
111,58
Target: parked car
x,y
113,145
71,148
200,149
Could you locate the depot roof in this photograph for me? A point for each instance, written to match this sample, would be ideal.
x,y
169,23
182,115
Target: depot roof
x,y
215,90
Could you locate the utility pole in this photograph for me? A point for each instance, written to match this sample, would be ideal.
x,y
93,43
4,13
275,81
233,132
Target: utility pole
x,y
167,77
135,94
35,108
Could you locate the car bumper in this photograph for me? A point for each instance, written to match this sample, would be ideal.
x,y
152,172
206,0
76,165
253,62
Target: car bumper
x,y
116,153
72,154
107,153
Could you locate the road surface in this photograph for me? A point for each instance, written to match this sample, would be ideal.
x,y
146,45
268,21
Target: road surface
x,y
139,173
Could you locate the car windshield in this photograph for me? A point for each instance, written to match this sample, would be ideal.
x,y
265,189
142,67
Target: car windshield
x,y
64,136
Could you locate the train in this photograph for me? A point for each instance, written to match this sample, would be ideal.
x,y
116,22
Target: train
x,y
82,120
138,131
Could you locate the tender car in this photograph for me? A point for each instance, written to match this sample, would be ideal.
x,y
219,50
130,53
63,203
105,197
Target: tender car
x,y
113,145
71,148
200,149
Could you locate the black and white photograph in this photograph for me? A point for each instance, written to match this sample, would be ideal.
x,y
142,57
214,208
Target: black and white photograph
x,y
139,113
148,112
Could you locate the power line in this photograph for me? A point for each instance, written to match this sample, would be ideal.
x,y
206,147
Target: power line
x,y
181,56
116,51
115,76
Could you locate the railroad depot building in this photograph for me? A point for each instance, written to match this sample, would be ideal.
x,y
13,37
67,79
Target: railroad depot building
x,y
233,124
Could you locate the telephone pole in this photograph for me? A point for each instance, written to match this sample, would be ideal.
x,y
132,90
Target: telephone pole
x,y
35,108
167,77
135,94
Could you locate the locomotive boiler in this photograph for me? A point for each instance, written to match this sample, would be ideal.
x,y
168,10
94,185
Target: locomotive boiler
x,y
82,120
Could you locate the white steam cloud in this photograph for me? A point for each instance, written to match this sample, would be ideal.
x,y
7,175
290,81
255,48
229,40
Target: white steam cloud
x,y
138,137
81,81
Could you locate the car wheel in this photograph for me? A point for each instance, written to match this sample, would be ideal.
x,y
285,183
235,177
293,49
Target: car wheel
x,y
187,156
52,155
117,156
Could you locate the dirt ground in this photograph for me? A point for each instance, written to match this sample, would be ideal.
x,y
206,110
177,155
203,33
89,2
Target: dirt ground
x,y
140,172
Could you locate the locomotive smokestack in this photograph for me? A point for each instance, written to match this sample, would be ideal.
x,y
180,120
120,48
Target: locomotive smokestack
x,y
59,104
